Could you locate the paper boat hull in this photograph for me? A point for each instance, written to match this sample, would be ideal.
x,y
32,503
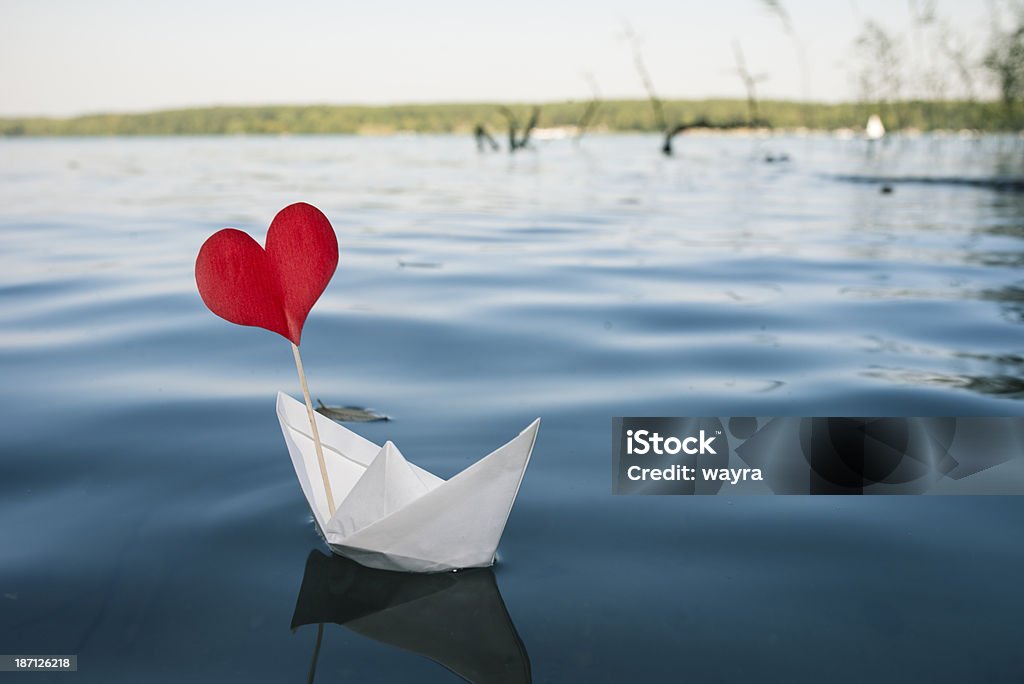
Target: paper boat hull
x,y
393,515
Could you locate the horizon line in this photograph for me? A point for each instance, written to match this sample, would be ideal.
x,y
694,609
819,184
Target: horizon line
x,y
484,103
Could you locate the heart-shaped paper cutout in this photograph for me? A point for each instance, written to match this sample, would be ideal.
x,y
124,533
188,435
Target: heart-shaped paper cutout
x,y
272,288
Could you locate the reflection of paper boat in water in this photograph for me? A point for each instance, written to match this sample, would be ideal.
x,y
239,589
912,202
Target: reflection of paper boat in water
x,y
455,619
394,515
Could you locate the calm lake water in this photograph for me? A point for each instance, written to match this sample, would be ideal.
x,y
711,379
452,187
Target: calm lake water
x,y
151,523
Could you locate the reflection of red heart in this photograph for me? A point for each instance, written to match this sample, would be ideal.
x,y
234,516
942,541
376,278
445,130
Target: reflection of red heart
x,y
273,288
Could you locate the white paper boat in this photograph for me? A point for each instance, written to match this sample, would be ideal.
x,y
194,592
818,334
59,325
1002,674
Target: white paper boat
x,y
394,515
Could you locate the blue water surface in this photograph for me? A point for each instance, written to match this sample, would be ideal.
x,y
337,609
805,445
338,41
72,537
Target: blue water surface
x,y
150,520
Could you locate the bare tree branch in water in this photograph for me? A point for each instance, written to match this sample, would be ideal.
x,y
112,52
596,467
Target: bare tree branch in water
x,y
513,125
484,138
514,141
645,79
750,82
530,125
666,148
590,113
645,76
658,108
700,122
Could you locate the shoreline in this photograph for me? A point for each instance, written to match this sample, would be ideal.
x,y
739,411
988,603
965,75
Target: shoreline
x,y
545,139
612,116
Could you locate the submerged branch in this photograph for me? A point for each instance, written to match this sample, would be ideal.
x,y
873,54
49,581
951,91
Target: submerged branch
x,y
645,76
515,142
484,138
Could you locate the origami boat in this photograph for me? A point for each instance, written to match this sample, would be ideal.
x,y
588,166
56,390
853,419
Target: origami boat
x,y
392,514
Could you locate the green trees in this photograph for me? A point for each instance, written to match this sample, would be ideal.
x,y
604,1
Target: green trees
x,y
1004,61
614,115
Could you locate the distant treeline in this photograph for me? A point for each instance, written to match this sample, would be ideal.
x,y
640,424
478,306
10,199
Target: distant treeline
x,y
614,115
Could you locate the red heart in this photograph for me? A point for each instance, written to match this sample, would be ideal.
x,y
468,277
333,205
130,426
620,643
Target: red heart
x,y
273,288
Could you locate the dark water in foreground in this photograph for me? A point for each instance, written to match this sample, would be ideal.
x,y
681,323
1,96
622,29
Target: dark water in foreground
x,y
150,520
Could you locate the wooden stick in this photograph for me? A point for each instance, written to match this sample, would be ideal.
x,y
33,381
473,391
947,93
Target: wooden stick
x,y
316,433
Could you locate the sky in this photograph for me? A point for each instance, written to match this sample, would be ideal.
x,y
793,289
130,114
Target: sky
x,y
66,57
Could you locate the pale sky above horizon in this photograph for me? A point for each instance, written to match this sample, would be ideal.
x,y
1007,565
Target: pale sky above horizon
x,y
65,57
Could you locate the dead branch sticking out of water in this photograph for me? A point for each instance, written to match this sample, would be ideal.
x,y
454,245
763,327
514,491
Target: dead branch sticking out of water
x,y
670,131
513,125
750,82
515,141
590,113
484,138
703,123
754,121
645,78
666,148
530,125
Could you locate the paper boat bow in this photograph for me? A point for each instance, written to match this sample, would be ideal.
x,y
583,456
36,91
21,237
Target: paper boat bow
x,y
393,514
